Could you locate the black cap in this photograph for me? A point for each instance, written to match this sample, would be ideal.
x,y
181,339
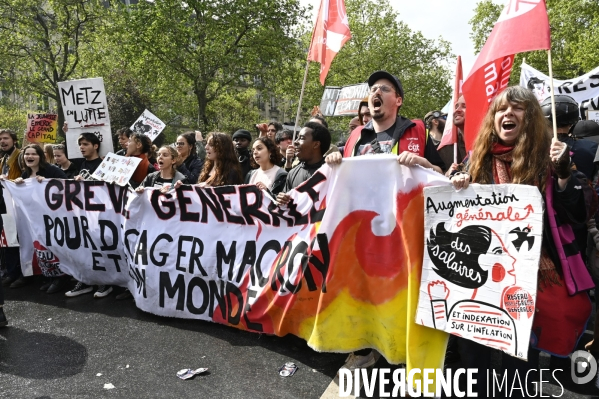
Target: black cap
x,y
243,134
586,129
386,75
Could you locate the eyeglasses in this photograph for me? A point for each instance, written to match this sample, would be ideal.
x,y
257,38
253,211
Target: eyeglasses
x,y
58,147
384,89
179,144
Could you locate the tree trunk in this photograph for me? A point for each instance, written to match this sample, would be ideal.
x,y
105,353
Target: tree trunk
x,y
200,92
60,114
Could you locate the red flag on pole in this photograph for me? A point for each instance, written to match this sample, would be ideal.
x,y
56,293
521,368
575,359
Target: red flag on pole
x,y
450,134
522,26
331,31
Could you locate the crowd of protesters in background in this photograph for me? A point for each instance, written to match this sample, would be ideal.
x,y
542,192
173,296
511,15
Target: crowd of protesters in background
x,y
514,146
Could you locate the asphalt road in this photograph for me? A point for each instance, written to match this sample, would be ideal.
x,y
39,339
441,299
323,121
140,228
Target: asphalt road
x,y
58,347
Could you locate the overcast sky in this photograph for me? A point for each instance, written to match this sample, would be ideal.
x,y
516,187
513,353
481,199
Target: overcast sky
x,y
435,18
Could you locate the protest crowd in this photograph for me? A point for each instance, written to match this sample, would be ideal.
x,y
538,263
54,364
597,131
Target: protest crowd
x,y
516,144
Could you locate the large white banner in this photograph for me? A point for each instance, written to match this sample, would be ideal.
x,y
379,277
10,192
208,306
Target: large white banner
x,y
584,89
75,225
316,268
479,276
8,236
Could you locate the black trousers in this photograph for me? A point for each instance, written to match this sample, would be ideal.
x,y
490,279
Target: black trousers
x,y
478,356
12,261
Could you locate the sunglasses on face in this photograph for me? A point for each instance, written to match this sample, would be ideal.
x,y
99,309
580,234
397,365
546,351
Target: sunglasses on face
x,y
179,144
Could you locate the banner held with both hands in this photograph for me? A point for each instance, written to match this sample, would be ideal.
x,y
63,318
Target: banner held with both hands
x,y
341,270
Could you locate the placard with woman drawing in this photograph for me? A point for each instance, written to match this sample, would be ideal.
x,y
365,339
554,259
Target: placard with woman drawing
x,y
481,257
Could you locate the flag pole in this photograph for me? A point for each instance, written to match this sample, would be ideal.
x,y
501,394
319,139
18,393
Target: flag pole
x,y
552,95
299,105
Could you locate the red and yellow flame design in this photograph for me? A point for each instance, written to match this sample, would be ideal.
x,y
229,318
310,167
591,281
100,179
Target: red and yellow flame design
x,y
371,293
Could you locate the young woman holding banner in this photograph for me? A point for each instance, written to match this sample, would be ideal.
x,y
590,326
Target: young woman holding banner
x,y
37,167
514,146
167,174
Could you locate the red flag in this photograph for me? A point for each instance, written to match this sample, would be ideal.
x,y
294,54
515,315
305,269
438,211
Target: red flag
x,y
522,26
450,134
330,34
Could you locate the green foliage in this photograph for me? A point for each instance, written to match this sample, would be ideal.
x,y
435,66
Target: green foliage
x,y
574,36
233,110
486,13
210,47
13,117
40,42
125,101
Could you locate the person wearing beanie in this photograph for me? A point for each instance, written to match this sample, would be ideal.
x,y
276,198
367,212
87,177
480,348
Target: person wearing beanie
x,y
242,139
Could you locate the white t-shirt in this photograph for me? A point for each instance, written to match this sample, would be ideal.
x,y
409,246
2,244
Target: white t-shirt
x,y
265,176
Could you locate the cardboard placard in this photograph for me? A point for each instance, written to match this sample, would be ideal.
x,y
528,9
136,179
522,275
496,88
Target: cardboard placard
x,y
481,258
148,124
116,169
41,128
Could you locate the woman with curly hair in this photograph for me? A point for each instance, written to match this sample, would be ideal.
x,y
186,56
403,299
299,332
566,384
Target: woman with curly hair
x,y
267,175
221,167
514,146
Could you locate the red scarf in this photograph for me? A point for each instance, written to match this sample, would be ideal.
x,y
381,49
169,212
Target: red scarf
x,y
142,169
502,162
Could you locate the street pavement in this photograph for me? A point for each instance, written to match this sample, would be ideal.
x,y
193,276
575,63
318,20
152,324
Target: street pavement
x,y
59,347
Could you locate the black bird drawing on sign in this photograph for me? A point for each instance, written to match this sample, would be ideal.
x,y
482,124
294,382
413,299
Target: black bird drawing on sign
x,y
523,236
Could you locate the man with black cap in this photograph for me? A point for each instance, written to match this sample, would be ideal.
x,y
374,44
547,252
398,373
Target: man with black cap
x,y
388,132
242,139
